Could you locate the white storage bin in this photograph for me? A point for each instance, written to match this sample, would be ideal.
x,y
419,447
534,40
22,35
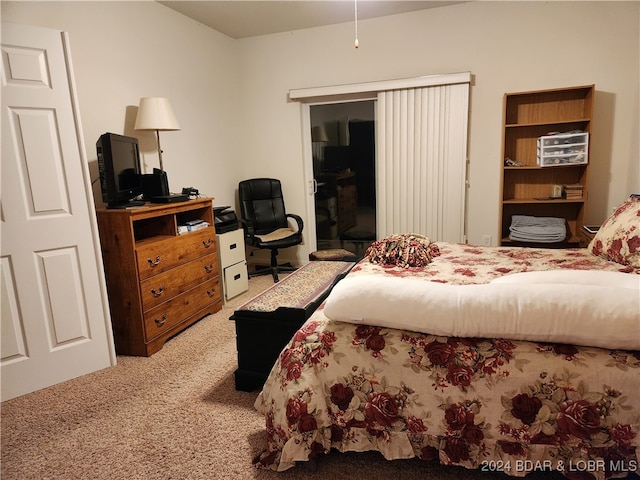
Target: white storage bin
x,y
563,149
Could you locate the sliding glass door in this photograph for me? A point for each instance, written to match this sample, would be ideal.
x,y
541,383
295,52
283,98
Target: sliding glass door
x,y
419,156
343,145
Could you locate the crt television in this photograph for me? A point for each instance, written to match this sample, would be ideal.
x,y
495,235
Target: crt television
x,y
119,167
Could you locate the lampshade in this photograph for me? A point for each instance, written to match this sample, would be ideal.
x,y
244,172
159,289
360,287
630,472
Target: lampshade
x,y
155,113
319,134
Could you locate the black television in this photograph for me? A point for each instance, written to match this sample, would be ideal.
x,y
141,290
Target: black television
x,y
119,168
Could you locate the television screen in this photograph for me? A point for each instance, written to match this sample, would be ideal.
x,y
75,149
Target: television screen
x,y
124,165
119,166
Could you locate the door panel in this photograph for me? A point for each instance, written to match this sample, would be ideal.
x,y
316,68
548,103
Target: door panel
x,y
36,137
55,320
12,340
60,281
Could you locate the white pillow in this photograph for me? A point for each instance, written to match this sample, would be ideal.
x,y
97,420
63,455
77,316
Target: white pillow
x,y
589,315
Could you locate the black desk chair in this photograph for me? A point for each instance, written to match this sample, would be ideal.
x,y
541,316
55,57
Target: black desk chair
x,y
265,221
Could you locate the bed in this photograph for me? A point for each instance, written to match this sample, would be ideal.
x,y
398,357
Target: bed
x,y
556,389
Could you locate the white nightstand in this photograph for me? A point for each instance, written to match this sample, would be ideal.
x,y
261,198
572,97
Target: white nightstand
x,y
233,265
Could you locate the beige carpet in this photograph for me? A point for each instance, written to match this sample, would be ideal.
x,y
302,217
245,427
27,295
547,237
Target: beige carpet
x,y
175,415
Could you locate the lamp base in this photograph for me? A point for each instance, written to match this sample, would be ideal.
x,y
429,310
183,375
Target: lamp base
x,y
159,149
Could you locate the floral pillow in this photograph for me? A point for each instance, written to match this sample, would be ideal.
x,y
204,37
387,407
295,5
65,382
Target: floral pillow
x,y
405,250
618,239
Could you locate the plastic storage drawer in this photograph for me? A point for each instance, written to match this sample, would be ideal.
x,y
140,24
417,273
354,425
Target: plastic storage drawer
x,y
563,149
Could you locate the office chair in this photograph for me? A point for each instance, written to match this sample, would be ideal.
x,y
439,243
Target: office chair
x,y
265,221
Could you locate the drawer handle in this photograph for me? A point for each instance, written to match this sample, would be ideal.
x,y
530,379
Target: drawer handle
x,y
208,268
211,292
237,276
154,263
161,321
157,293
207,243
232,246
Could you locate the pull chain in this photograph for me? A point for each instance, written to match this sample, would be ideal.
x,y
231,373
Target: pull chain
x,y
356,43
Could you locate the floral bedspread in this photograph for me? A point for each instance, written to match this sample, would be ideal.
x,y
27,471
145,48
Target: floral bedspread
x,y
487,404
463,264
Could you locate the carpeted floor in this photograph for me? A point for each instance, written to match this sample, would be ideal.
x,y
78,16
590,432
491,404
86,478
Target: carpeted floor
x,y
175,415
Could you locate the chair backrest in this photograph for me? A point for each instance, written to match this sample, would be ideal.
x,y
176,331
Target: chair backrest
x,y
262,203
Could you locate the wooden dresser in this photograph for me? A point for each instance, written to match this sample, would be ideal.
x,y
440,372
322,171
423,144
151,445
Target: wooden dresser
x,y
159,281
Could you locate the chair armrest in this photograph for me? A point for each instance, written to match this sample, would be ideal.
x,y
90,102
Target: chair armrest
x,y
248,228
298,220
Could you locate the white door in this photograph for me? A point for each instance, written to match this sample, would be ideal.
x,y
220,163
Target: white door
x,y
55,320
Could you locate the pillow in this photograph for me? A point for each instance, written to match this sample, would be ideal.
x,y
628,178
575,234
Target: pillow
x,y
405,250
537,312
618,239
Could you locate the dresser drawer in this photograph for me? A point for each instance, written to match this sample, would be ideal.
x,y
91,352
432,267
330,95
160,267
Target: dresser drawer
x,y
170,313
166,285
159,256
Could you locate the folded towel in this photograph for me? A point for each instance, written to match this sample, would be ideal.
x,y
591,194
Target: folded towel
x,y
525,228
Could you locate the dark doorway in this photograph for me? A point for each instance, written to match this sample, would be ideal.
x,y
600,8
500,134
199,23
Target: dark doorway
x,y
343,139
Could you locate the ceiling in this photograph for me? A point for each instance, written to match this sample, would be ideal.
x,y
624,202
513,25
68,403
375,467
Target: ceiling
x,y
243,18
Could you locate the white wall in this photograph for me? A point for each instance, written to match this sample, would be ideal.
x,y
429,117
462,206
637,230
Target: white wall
x,y
230,96
508,46
122,51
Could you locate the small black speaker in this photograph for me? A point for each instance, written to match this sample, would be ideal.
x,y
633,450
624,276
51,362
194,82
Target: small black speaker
x,y
155,184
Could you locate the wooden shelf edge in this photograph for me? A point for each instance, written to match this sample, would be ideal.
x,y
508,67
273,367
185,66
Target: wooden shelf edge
x,y
567,243
574,88
537,167
157,238
544,124
520,201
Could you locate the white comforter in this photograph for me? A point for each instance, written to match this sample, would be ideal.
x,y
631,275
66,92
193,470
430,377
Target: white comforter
x,y
590,308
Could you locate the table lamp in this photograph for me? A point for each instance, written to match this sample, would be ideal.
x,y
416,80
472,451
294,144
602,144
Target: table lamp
x,y
155,113
318,137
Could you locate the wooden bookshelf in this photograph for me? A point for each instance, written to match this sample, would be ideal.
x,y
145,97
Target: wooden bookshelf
x,y
526,189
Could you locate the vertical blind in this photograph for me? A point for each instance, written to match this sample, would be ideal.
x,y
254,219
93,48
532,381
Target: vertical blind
x,y
421,161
